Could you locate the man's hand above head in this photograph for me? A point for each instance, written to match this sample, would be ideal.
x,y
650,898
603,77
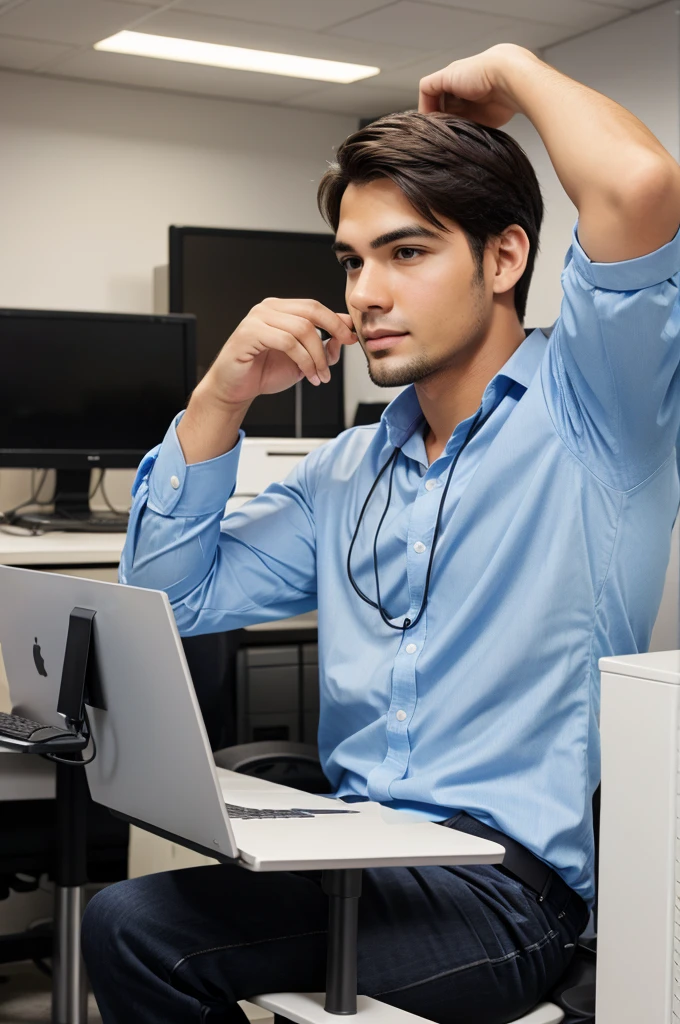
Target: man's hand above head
x,y
275,346
625,185
473,88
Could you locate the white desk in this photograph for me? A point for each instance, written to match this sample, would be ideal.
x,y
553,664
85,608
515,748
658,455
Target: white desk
x,y
61,549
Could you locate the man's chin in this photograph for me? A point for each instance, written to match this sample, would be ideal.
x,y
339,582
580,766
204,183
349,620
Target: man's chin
x,y
384,375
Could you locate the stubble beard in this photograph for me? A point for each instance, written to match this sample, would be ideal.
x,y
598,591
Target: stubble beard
x,y
422,366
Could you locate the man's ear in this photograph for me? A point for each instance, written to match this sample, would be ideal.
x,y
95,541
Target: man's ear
x,y
511,252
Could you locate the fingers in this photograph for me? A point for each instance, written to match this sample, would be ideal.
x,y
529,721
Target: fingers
x,y
305,334
334,346
347,319
318,315
284,341
432,87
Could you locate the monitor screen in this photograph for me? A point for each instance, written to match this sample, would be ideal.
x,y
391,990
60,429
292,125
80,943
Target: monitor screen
x,y
95,389
219,274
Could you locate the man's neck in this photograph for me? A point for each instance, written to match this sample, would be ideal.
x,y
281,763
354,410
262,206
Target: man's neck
x,y
455,393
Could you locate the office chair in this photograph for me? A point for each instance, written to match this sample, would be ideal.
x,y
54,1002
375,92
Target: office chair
x,y
28,851
297,765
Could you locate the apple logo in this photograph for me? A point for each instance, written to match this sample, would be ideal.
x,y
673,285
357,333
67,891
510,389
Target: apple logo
x,y
38,658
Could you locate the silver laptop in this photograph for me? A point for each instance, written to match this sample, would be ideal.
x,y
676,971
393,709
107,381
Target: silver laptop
x,y
153,763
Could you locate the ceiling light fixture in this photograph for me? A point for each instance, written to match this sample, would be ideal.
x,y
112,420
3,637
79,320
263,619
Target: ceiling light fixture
x,y
189,51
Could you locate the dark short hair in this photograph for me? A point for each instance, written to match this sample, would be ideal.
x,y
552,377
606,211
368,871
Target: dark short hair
x,y
478,177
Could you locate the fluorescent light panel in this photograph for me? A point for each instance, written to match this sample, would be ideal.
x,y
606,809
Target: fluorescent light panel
x,y
188,51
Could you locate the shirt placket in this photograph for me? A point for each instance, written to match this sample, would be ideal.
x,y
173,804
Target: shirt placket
x,y
404,691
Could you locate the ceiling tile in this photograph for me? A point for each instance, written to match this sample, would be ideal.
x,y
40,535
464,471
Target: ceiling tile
x,y
308,14
409,75
576,14
357,100
429,26
26,54
634,5
233,32
192,78
75,22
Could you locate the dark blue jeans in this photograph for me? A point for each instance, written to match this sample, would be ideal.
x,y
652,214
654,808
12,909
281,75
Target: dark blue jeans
x,y
470,945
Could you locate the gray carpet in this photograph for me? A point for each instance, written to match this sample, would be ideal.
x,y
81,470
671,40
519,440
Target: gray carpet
x,y
25,996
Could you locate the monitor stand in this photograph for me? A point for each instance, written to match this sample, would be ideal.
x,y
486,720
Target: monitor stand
x,y
72,509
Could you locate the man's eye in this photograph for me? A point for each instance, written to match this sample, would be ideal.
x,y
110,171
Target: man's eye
x,y
408,251
347,264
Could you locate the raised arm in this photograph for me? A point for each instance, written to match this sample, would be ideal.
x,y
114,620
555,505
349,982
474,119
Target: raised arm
x,y
625,185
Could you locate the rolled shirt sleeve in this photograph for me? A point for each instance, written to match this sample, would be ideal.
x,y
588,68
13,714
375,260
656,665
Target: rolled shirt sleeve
x,y
611,369
219,572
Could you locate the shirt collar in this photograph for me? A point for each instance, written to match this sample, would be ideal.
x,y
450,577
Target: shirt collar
x,y
403,414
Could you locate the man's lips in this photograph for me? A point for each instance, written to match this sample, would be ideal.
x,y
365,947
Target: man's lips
x,y
385,341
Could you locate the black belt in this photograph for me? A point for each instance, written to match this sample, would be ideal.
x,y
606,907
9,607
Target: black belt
x,y
523,865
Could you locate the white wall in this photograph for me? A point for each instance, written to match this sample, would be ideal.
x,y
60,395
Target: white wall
x,y
635,61
91,176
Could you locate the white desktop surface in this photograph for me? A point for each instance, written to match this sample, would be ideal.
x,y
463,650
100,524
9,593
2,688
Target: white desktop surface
x,y
61,548
373,836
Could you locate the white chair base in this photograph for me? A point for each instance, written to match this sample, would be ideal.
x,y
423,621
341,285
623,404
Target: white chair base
x,y
308,1008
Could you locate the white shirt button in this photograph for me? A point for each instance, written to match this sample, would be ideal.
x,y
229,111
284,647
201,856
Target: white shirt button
x,y
419,547
174,482
430,485
411,648
401,715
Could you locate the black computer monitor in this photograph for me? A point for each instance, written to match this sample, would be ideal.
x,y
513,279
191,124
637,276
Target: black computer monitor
x,y
219,274
83,391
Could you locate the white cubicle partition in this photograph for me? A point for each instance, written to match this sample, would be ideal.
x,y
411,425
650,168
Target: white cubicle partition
x,y
638,968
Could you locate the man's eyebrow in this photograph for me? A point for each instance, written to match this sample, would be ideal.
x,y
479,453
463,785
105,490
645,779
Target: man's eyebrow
x,y
409,231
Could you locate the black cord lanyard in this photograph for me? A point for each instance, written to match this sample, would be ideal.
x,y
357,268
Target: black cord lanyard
x,y
476,426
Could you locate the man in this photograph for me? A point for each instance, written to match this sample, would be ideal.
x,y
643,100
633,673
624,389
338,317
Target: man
x,y
471,557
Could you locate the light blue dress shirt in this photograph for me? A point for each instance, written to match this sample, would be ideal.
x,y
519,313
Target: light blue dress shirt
x,y
552,553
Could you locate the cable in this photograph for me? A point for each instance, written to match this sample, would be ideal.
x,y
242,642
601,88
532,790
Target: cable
x,y
475,427
99,485
14,530
105,496
90,739
33,500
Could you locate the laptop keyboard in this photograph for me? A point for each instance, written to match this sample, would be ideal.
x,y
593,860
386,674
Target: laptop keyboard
x,y
293,812
23,728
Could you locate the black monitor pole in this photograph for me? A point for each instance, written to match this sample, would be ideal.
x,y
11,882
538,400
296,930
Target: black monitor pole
x,y
80,684
69,981
72,493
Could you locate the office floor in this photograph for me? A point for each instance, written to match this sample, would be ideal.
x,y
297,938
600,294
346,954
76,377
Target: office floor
x,y
25,998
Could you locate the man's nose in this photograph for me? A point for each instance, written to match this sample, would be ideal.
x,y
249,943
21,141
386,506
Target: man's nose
x,y
370,289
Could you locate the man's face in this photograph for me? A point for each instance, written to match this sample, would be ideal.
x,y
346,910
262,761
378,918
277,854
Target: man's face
x,y
414,292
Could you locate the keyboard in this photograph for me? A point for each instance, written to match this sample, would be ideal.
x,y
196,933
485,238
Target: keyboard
x,y
15,727
293,812
96,522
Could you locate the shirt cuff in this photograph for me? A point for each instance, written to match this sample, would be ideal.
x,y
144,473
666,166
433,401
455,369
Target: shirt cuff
x,y
200,489
628,275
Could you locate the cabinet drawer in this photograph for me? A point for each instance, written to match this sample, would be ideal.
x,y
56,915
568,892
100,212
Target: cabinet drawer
x,y
272,727
272,689
310,688
257,657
